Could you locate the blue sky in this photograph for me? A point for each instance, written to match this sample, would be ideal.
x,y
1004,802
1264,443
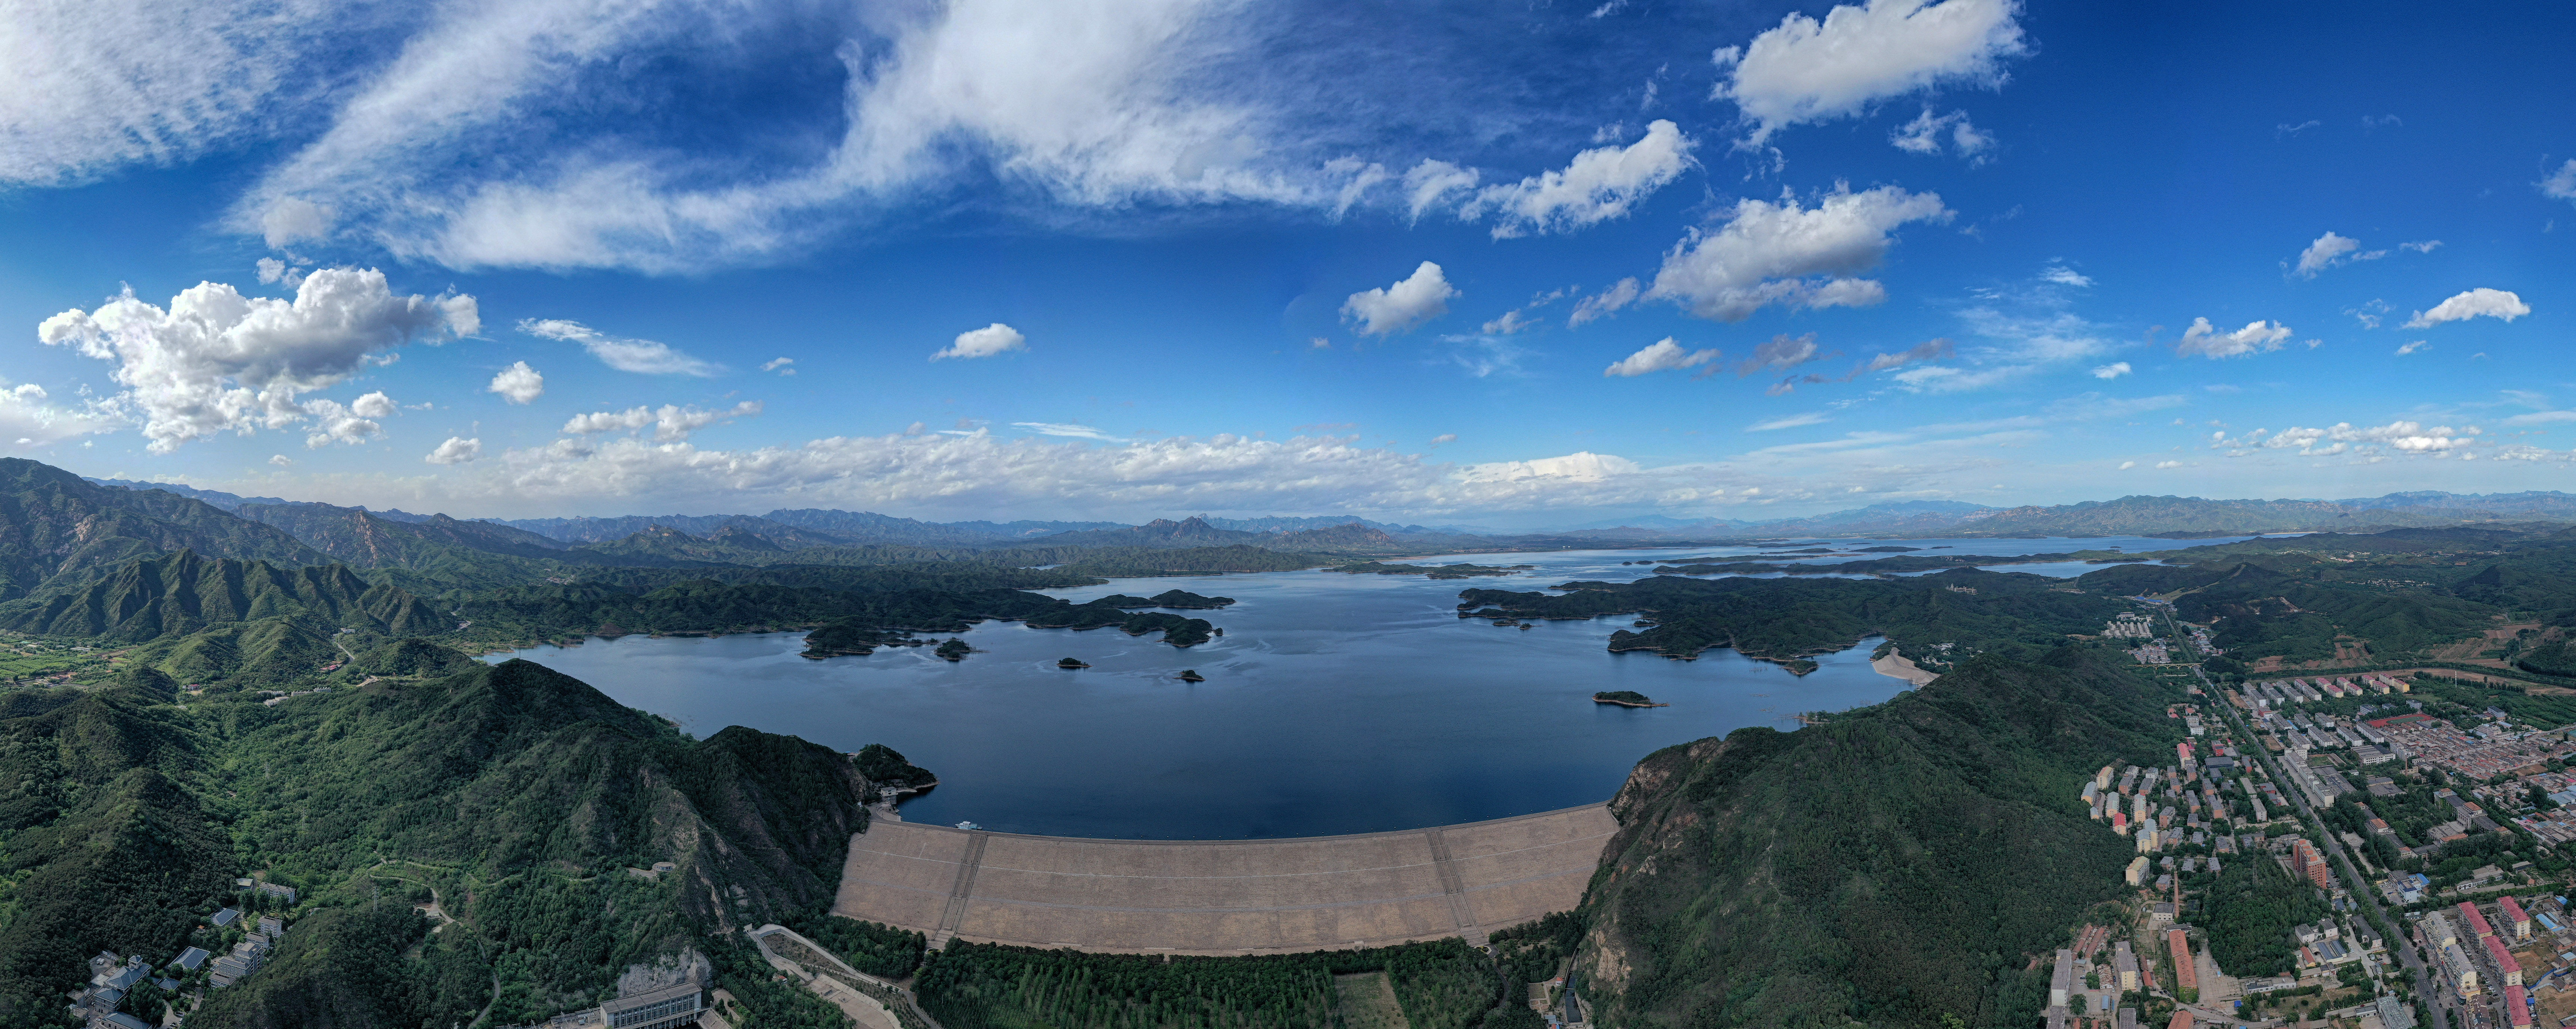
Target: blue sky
x,y
1137,258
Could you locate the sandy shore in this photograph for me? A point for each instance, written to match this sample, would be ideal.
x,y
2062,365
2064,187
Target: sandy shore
x,y
1898,666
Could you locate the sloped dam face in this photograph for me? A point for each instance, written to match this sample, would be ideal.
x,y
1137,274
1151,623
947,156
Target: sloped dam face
x,y
1223,896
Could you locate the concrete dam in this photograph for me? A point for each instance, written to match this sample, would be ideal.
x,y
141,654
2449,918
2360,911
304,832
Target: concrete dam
x,y
1222,896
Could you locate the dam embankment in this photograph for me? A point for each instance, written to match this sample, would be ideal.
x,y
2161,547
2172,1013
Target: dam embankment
x,y
1223,896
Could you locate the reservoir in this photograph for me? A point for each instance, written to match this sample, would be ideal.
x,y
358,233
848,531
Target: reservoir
x,y
1333,703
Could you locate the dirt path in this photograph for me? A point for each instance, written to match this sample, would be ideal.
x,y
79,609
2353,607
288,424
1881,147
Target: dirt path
x,y
1899,666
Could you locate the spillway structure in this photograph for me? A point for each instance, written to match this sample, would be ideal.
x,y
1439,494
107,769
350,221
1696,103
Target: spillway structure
x,y
1222,896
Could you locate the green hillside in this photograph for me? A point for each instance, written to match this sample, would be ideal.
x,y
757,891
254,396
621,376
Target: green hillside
x,y
1890,867
513,795
56,526
180,593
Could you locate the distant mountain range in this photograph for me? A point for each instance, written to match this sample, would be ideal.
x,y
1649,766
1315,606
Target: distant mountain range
x,y
370,542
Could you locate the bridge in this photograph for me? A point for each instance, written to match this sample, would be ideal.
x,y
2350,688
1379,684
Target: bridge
x,y
1222,896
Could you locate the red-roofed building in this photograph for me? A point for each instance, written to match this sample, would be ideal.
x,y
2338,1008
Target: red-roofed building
x,y
2311,863
2516,921
2475,922
2181,1020
2507,968
2517,1006
2185,975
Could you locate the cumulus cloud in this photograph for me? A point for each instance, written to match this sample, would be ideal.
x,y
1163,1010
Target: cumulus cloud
x,y
518,383
1805,71
2326,252
1444,439
2404,437
280,460
2421,246
2168,464
2205,340
2561,184
989,341
670,422
27,417
2064,276
457,450
1416,299
1603,304
2112,371
1924,135
2490,303
1597,186
1792,255
216,361
2126,465
641,356
1663,355
2410,348
1780,353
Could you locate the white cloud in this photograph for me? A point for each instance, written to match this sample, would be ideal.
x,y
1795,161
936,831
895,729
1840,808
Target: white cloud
x,y
1660,356
1604,303
1805,71
781,365
1428,183
2168,464
280,460
2491,303
1416,299
1598,185
2065,276
1098,104
1444,438
2561,184
2405,437
671,422
2328,250
457,450
1781,353
2126,465
2410,348
518,383
217,361
1787,254
641,356
2421,246
1923,135
989,341
98,85
1067,430
2113,370
1790,422
2205,340
1930,350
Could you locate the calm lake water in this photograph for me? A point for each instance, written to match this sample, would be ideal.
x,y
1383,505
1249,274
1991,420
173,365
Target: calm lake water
x,y
1333,704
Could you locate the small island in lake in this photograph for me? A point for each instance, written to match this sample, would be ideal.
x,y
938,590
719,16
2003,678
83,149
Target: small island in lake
x,y
1192,675
1625,698
1071,662
955,649
1456,571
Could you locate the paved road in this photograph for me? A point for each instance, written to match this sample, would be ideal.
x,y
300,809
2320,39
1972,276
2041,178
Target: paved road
x,y
2397,941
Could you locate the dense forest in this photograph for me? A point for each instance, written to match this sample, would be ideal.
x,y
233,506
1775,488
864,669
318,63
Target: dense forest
x,y
508,798
1757,878
2252,909
1443,984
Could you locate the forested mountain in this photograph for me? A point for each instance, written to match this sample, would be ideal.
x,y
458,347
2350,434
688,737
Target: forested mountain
x,y
176,594
364,539
1161,532
512,795
57,526
1894,866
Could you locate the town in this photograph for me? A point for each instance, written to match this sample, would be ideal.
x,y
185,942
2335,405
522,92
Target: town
x,y
2349,850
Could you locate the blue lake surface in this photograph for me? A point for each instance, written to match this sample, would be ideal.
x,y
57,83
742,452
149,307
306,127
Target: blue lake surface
x,y
1334,704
